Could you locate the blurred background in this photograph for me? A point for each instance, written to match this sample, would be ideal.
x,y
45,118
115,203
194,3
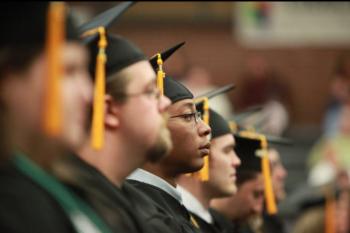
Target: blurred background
x,y
292,58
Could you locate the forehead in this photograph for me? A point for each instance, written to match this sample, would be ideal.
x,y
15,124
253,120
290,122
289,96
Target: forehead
x,y
182,105
141,73
224,140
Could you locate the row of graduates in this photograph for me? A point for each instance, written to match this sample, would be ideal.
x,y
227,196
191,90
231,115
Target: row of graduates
x,y
149,134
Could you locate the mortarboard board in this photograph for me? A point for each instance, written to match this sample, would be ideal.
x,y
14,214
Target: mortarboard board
x,y
164,55
202,105
157,64
104,19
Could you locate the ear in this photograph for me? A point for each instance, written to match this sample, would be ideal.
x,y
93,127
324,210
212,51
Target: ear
x,y
111,113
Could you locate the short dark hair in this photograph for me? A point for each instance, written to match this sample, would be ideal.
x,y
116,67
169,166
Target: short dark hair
x,y
244,176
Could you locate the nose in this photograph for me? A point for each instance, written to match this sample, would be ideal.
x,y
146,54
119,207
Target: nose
x,y
258,206
203,129
236,161
163,104
284,172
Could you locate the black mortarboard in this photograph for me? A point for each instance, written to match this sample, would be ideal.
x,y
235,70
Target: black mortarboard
x,y
120,53
164,55
175,90
105,19
217,91
25,24
219,126
246,149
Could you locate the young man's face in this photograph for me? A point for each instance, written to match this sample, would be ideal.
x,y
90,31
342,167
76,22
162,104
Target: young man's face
x,y
223,162
189,136
143,115
247,202
24,95
278,174
250,196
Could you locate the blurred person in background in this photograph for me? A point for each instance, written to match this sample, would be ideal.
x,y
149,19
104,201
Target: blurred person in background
x,y
269,92
339,95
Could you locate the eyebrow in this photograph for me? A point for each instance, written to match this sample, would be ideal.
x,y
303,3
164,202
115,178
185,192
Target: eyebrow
x,y
190,106
151,82
229,146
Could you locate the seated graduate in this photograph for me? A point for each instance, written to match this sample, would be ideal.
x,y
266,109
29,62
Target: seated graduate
x,y
36,83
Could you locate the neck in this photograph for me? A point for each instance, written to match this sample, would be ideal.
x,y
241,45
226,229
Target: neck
x,y
39,148
196,188
159,170
115,160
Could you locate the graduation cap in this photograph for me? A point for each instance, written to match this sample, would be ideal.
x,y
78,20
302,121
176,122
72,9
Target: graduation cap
x,y
104,19
262,153
164,55
105,61
246,149
202,105
43,26
175,90
219,126
157,64
23,27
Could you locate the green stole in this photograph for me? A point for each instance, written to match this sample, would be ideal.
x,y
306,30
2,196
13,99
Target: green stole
x,y
83,218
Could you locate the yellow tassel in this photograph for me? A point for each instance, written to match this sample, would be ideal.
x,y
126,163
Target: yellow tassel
x,y
160,74
269,194
203,174
52,115
330,209
233,126
97,131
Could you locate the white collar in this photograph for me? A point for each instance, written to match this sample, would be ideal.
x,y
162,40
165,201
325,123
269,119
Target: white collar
x,y
194,206
151,179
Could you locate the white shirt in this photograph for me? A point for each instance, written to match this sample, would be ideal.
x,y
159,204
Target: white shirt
x,y
193,205
151,179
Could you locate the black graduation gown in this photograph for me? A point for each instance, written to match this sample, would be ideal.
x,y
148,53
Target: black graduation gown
x,y
124,210
224,224
179,215
25,207
272,223
205,226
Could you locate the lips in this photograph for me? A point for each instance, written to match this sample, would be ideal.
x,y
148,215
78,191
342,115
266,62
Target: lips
x,y
205,149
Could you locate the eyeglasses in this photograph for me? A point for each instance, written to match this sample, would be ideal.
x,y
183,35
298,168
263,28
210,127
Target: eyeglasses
x,y
189,117
152,93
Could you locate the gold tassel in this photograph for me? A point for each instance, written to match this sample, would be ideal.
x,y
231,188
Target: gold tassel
x,y
97,129
233,126
52,115
330,209
269,194
160,74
